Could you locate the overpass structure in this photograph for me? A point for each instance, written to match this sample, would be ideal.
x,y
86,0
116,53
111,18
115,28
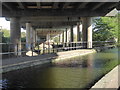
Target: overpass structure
x,y
51,18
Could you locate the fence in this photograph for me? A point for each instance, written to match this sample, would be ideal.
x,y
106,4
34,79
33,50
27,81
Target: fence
x,y
46,47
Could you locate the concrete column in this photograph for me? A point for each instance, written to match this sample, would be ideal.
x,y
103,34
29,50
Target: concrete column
x,y
15,35
63,37
66,35
48,37
59,38
28,41
78,32
48,42
31,34
71,34
87,31
34,37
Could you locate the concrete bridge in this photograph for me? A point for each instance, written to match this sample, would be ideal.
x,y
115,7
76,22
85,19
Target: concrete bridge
x,y
48,19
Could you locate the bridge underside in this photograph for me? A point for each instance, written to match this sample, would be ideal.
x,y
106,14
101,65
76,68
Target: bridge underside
x,y
52,18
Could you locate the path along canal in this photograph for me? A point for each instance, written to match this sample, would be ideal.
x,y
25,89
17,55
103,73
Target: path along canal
x,y
80,72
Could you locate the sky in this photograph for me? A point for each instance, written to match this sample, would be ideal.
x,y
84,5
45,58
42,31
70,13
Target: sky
x,y
6,24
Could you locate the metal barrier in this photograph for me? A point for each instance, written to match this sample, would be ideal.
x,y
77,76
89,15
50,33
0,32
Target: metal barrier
x,y
47,47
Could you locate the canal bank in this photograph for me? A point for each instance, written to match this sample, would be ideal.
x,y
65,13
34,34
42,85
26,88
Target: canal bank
x,y
24,62
110,80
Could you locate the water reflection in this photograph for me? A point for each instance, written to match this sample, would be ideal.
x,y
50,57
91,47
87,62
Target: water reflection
x,y
78,72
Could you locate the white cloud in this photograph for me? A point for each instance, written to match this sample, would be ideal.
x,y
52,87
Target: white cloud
x,y
5,24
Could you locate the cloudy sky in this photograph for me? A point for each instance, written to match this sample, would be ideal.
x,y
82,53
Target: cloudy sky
x,y
6,24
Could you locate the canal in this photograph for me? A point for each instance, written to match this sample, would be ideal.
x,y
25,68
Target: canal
x,y
80,72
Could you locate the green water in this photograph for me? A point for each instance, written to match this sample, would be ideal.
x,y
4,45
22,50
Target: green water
x,y
80,72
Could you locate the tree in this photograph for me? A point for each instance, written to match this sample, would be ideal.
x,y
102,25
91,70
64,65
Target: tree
x,y
56,39
23,37
5,36
105,28
6,32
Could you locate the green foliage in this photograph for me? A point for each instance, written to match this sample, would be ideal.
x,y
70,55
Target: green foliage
x,y
23,37
106,28
56,39
6,33
119,29
23,34
6,36
4,40
75,38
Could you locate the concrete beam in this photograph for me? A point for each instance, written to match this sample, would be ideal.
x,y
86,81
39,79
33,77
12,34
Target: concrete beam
x,y
97,6
44,33
48,19
55,5
21,5
69,13
50,24
82,5
118,6
113,5
66,4
7,6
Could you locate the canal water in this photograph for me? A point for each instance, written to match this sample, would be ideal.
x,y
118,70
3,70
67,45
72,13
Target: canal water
x,y
80,72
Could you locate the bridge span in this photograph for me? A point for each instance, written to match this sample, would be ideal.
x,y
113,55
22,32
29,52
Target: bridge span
x,y
44,20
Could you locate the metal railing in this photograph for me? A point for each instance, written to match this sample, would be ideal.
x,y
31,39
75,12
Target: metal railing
x,y
10,50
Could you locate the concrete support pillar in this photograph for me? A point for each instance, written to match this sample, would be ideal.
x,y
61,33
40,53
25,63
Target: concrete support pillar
x,y
87,32
59,38
48,37
78,32
71,34
31,34
66,35
28,40
15,35
63,37
34,37
48,42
